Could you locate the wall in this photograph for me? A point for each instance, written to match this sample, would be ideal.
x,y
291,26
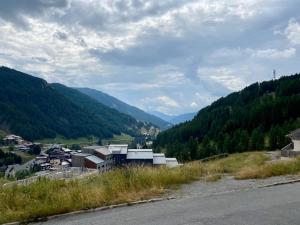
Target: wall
x,y
296,145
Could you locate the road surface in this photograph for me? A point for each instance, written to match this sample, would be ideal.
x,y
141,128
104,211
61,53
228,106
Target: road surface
x,y
278,205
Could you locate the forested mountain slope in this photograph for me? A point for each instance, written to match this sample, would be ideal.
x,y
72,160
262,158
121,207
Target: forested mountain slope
x,y
123,107
258,117
119,121
30,107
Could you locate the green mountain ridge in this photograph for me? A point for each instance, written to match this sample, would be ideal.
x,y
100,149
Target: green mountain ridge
x,y
123,107
35,109
258,117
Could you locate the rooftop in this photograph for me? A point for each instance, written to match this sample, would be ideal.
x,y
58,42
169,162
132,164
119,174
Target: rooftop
x,y
103,151
81,154
118,149
140,154
94,159
295,135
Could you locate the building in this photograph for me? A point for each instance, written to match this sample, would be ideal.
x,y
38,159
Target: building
x,y
140,157
159,159
119,153
171,162
292,149
13,140
78,159
103,153
94,162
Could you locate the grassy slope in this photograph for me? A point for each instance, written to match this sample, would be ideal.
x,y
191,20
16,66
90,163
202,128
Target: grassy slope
x,y
64,141
118,139
48,197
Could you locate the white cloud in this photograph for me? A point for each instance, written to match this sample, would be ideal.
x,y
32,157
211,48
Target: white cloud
x,y
148,52
167,101
272,53
292,32
225,76
194,105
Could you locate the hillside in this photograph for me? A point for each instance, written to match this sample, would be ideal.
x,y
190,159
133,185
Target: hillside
x,y
120,121
175,119
30,107
125,108
258,117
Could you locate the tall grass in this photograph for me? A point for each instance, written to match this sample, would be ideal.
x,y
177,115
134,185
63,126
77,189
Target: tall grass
x,y
269,170
236,162
47,197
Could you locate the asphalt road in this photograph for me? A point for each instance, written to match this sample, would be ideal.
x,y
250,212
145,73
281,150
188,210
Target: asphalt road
x,y
278,205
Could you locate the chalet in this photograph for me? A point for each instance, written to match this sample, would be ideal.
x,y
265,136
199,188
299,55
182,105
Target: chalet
x,y
140,157
13,140
57,152
292,149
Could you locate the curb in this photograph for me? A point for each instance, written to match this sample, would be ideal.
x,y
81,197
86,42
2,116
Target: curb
x,y
280,183
43,219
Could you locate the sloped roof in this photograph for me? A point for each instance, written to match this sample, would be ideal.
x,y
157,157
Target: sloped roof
x,y
94,159
295,135
140,154
118,149
103,151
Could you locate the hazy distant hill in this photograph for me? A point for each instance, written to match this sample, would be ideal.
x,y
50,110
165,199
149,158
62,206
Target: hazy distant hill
x,y
32,108
123,107
256,118
175,119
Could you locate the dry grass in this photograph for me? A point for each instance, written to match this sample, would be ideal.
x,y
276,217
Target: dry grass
x,y
269,170
48,197
236,162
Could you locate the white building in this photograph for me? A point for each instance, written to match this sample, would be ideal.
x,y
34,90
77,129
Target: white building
x,y
292,149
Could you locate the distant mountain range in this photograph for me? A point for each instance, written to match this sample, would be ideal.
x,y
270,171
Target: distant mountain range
x,y
175,119
35,109
123,107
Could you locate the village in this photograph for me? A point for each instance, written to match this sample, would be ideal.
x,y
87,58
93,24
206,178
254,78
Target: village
x,y
54,159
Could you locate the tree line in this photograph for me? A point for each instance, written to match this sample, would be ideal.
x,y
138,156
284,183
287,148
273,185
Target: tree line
x,y
256,118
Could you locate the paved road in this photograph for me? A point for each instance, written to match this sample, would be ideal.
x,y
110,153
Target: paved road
x,y
278,205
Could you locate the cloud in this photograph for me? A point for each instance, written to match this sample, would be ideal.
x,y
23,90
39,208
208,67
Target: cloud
x,y
292,32
194,105
61,35
152,54
16,11
167,101
272,53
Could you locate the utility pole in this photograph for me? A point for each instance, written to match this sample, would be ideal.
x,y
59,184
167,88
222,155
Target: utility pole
x,y
274,74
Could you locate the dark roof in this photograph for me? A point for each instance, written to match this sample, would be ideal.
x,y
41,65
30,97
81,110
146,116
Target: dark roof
x,y
295,135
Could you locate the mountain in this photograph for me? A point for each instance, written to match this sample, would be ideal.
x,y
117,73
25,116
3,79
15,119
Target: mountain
x,y
122,107
35,109
256,118
174,119
163,116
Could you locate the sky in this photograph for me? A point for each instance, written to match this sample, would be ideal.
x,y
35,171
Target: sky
x,y
171,56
